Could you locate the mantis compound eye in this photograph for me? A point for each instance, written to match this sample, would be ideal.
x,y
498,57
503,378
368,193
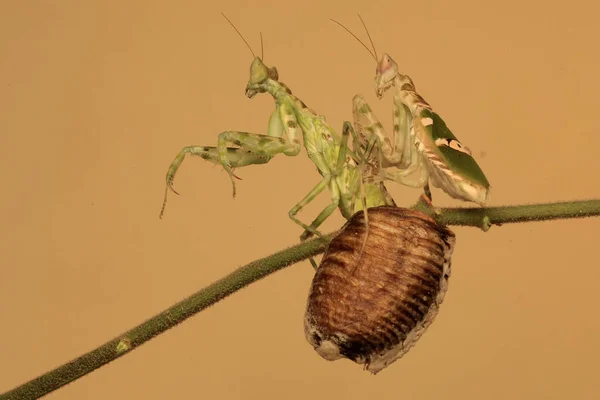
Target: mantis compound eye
x,y
402,269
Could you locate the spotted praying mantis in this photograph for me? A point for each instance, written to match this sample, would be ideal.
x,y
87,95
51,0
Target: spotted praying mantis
x,y
422,147
346,172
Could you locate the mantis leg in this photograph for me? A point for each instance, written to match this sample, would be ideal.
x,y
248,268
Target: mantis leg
x,y
323,215
282,121
362,147
335,192
404,138
399,151
237,156
368,126
403,135
373,141
427,193
403,176
402,152
252,148
341,164
335,199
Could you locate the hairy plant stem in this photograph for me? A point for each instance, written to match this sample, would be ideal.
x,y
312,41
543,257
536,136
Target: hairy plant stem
x,y
482,218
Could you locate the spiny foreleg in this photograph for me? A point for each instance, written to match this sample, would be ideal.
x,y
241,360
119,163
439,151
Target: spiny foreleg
x,y
397,152
238,157
282,121
402,153
415,176
368,126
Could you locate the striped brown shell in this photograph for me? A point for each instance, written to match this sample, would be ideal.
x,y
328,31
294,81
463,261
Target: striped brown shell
x,y
372,307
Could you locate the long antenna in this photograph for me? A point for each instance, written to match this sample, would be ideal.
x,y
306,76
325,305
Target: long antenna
x,y
355,37
369,35
262,49
236,29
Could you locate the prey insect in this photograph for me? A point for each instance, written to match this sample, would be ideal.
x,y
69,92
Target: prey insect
x,y
422,147
292,123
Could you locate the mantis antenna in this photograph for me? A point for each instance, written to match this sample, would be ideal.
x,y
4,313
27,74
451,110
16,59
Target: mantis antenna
x,y
262,49
369,35
356,37
238,32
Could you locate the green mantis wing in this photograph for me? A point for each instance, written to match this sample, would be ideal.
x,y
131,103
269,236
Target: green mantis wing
x,y
452,152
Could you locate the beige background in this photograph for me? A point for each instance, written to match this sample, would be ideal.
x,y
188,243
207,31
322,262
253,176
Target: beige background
x,y
96,98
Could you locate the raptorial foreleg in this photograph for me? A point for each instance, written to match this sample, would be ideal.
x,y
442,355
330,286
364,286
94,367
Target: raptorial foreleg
x,y
394,153
238,157
401,160
283,137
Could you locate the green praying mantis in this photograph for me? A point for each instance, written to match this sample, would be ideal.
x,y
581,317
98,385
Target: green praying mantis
x,y
422,147
347,173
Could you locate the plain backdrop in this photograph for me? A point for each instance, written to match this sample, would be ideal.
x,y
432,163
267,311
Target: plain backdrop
x,y
97,97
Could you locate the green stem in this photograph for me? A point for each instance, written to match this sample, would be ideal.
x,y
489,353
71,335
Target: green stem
x,y
485,217
476,217
167,319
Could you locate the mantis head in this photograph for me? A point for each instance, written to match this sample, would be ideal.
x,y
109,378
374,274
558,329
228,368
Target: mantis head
x,y
259,75
386,73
